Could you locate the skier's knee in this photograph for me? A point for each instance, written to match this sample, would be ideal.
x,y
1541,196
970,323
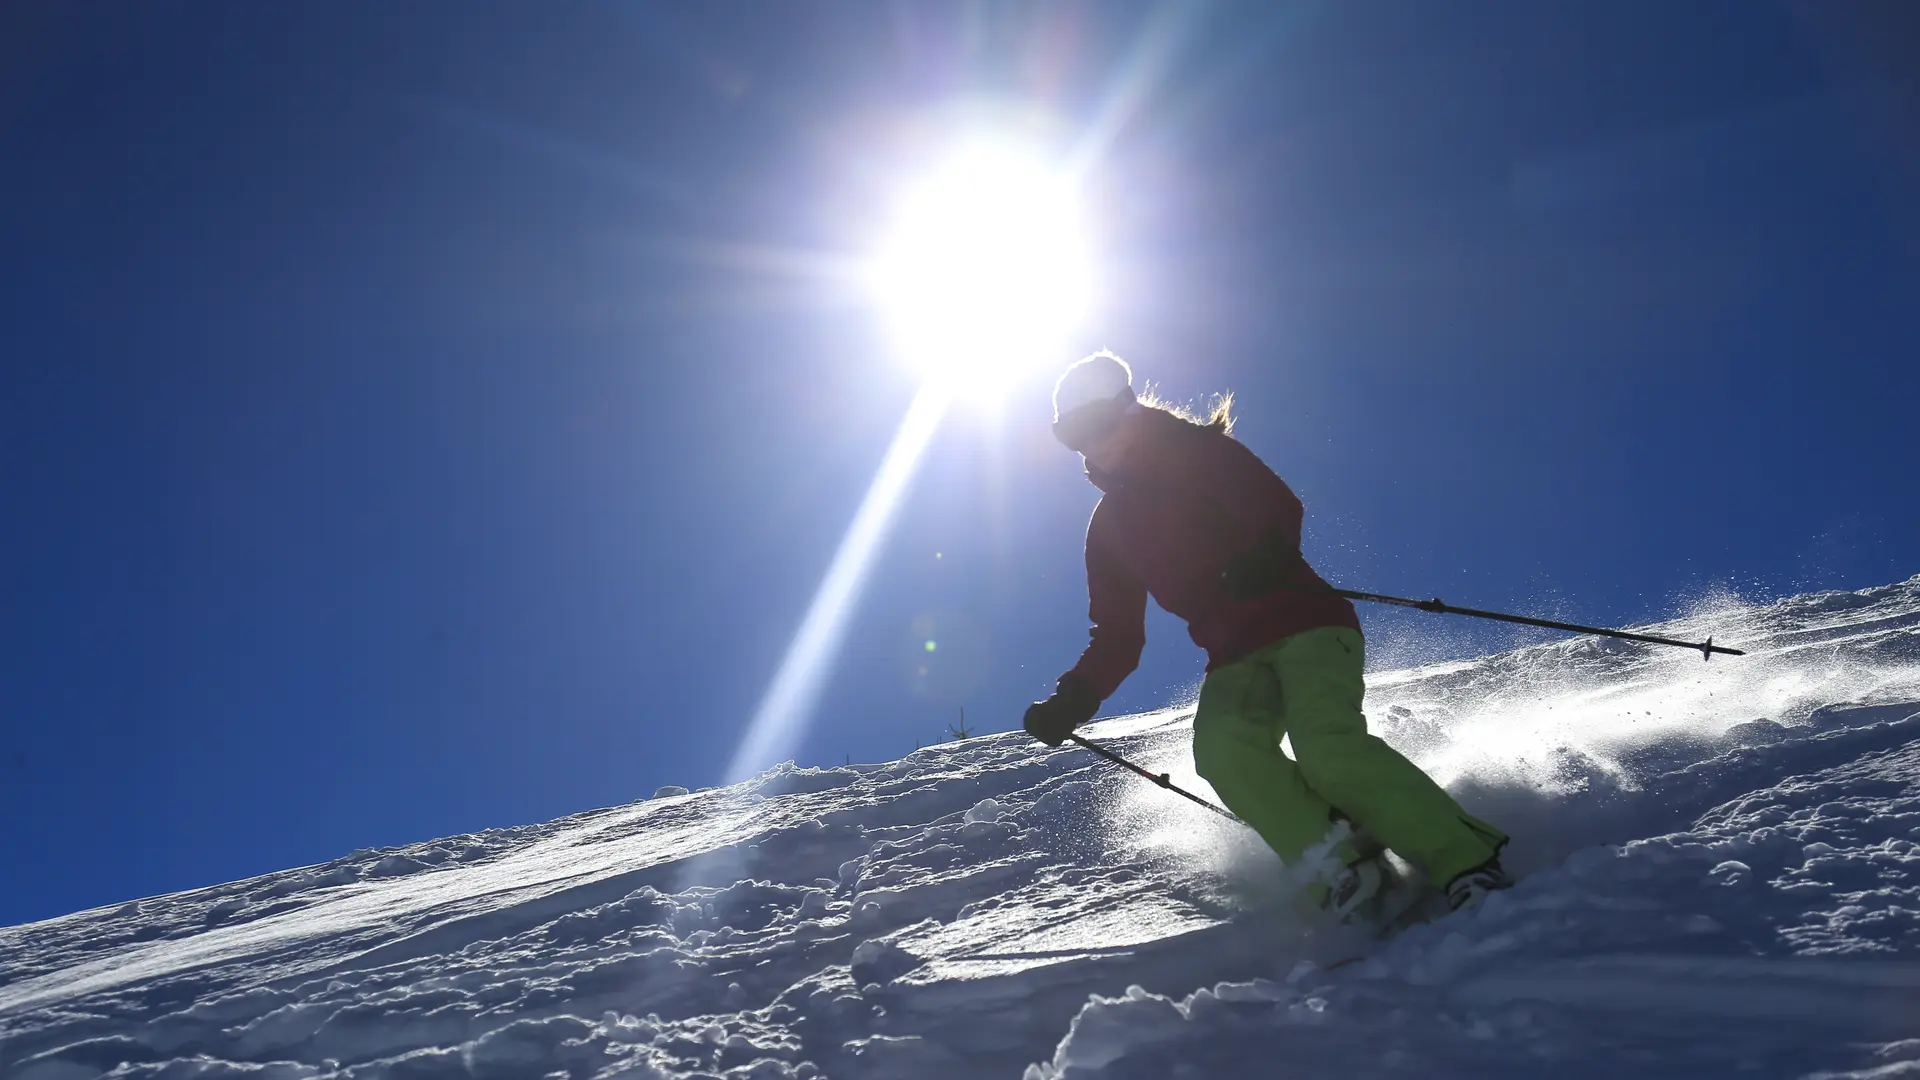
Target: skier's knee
x,y
1327,762
1206,760
1329,722
1214,753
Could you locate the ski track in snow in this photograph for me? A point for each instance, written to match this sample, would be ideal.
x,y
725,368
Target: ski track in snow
x,y
1722,876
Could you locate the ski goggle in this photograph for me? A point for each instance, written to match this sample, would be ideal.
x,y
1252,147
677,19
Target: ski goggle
x,y
1085,425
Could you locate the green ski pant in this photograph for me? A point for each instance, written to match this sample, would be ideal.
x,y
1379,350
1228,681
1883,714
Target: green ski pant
x,y
1308,687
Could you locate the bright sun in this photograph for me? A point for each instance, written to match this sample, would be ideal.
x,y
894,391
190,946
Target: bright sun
x,y
985,272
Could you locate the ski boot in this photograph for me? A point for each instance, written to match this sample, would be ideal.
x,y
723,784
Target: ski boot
x,y
1353,888
1469,889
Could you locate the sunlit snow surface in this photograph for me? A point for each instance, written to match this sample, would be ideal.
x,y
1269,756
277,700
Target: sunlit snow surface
x,y
1723,877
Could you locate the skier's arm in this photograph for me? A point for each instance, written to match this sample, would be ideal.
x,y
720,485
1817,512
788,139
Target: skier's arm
x,y
1117,604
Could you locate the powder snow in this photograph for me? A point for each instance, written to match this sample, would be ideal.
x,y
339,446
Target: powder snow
x,y
1720,875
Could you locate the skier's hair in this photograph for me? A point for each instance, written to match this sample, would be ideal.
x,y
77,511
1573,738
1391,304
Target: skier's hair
x,y
1218,415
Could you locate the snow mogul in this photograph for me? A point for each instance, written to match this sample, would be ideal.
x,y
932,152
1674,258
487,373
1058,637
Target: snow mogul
x,y
1193,518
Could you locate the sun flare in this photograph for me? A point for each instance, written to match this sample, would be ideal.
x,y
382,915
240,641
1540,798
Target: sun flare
x,y
985,272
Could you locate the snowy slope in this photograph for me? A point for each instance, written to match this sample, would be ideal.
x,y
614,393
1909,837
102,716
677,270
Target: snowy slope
x,y
1723,876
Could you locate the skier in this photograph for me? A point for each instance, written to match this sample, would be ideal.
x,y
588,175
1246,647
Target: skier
x,y
1195,519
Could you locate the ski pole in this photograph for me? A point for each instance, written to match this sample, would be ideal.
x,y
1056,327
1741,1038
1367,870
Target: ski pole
x,y
1162,779
1707,648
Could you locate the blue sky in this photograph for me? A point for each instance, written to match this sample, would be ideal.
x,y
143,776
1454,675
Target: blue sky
x,y
395,441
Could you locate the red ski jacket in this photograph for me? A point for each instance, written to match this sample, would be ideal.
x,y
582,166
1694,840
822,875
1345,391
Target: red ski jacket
x,y
1186,501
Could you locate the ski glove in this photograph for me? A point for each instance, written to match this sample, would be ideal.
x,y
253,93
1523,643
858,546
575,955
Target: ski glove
x,y
1073,704
1263,570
